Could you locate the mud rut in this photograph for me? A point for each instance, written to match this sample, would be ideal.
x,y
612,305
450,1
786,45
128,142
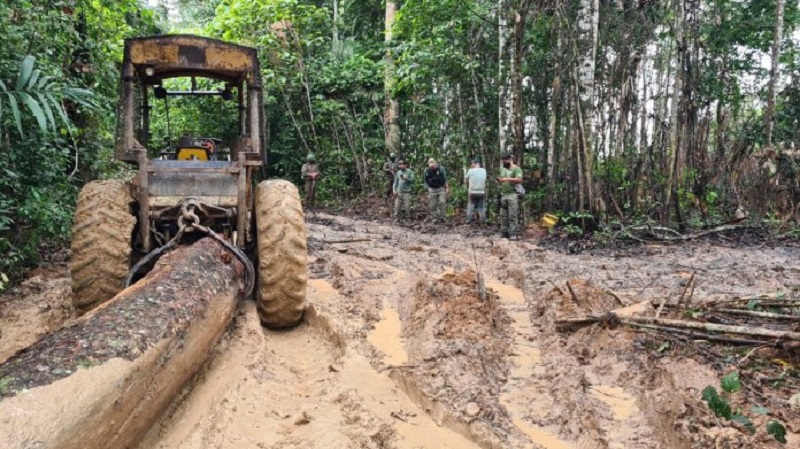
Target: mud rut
x,y
362,371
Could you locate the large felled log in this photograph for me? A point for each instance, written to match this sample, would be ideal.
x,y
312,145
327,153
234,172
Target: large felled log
x,y
104,380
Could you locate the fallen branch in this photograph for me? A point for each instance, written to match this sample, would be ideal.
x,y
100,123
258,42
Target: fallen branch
x,y
560,292
754,313
702,336
615,296
682,237
347,241
712,327
680,324
576,322
685,289
572,292
762,299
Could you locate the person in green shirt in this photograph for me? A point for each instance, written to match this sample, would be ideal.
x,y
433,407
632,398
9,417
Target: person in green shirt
x,y
510,176
401,190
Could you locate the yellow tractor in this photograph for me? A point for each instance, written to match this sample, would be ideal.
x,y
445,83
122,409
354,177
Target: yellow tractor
x,y
199,185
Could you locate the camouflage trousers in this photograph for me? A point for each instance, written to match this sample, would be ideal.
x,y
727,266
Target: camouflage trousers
x,y
402,206
437,203
311,190
509,213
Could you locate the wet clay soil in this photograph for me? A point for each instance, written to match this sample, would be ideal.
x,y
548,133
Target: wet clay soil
x,y
399,351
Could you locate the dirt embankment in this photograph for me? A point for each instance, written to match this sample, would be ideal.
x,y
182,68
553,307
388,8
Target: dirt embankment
x,y
400,351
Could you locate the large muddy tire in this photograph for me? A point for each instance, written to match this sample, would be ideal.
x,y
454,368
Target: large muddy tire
x,y
101,242
282,254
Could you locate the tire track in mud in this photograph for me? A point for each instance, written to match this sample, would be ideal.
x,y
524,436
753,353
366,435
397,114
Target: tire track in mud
x,y
303,388
589,390
558,393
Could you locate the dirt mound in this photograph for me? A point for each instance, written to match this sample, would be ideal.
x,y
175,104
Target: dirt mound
x,y
458,356
461,314
39,305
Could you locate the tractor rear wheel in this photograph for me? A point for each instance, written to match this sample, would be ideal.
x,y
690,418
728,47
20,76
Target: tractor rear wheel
x,y
101,242
282,254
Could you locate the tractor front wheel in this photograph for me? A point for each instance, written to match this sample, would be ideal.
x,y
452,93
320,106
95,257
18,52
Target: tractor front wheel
x,y
282,254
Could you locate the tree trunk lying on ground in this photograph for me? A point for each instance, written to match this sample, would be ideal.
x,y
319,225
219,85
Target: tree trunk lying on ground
x,y
104,380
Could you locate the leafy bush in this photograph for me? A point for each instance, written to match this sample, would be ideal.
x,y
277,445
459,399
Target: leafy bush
x,y
721,406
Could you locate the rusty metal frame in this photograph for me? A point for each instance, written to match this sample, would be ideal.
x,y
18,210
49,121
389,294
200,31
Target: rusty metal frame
x,y
186,55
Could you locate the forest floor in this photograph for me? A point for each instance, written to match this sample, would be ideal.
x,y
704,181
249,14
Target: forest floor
x,y
399,350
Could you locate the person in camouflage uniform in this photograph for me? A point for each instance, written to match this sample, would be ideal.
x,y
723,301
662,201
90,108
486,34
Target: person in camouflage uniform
x,y
310,173
510,176
401,189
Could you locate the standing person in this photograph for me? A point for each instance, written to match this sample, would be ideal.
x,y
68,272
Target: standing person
x,y
401,189
476,191
310,173
389,168
435,179
510,176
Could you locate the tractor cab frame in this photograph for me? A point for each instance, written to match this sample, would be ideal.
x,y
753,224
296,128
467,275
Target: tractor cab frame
x,y
219,190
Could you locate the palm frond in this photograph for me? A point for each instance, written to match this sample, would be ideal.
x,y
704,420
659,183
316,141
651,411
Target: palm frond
x,y
43,96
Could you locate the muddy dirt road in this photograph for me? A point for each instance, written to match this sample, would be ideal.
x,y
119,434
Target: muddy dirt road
x,y
399,351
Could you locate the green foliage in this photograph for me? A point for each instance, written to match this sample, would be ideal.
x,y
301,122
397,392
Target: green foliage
x,y
744,421
730,382
777,430
573,222
58,85
721,407
42,95
716,403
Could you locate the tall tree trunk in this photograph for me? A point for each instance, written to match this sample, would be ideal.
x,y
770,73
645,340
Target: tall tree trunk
x,y
551,142
588,18
673,151
773,72
335,37
518,119
391,112
502,82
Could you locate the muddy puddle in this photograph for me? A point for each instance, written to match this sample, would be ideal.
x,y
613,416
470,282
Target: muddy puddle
x,y
399,351
387,337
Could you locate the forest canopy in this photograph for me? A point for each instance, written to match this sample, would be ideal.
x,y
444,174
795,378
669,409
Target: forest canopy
x,y
684,113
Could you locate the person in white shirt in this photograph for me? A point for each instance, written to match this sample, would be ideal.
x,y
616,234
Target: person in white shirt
x,y
476,191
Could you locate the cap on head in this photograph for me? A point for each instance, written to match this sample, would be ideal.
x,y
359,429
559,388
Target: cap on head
x,y
475,160
506,156
311,157
392,155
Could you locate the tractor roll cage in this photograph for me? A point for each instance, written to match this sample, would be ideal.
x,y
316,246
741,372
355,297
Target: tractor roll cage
x,y
147,61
